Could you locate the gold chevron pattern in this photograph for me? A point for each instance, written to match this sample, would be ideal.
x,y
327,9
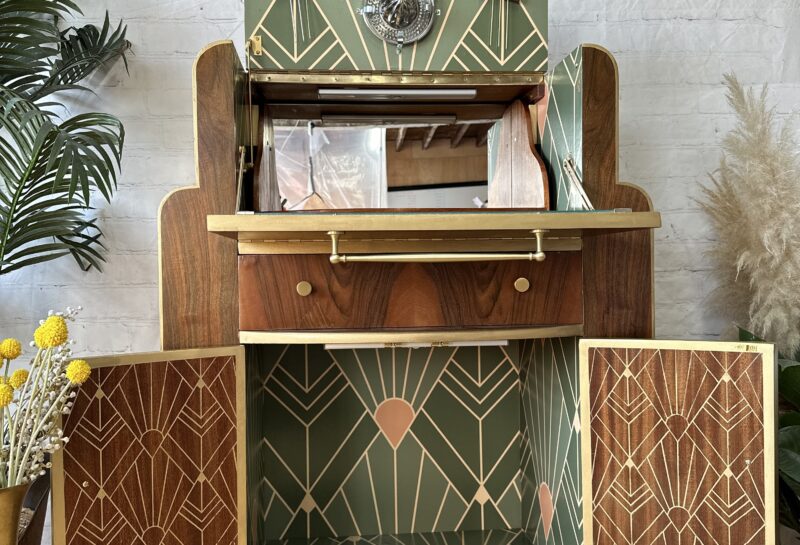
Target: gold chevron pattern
x,y
377,442
679,451
152,456
468,35
551,461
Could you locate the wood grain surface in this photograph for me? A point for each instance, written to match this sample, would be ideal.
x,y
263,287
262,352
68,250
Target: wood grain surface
x,y
679,452
153,456
198,268
415,296
617,266
520,178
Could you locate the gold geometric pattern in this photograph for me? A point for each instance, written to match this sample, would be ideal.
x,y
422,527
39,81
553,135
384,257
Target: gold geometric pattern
x,y
562,131
467,35
551,459
389,441
152,456
679,452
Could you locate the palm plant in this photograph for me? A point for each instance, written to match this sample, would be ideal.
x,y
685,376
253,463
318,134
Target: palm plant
x,y
51,164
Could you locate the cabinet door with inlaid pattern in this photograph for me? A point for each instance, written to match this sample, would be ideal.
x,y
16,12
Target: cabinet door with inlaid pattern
x,y
156,452
678,443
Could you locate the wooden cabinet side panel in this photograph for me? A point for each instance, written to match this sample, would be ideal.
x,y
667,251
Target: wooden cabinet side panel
x,y
197,269
618,267
155,454
680,443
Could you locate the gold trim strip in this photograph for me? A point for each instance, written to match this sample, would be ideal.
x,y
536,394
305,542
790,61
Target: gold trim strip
x,y
165,355
386,337
312,77
251,226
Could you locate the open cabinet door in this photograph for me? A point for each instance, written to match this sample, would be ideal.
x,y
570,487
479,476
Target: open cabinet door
x,y
155,452
678,442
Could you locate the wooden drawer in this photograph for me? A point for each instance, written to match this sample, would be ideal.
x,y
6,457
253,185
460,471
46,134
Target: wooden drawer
x,y
379,296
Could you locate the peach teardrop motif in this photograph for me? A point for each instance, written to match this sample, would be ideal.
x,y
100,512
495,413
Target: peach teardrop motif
x,y
394,417
546,507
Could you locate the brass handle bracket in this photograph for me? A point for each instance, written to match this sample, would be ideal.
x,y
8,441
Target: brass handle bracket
x,y
456,257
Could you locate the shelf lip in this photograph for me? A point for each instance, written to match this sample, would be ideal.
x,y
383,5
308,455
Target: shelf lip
x,y
378,78
246,226
423,336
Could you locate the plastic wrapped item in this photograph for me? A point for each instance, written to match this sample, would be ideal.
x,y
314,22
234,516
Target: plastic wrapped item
x,y
323,168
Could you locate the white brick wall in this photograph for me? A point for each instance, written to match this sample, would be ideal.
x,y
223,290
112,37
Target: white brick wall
x,y
673,115
671,57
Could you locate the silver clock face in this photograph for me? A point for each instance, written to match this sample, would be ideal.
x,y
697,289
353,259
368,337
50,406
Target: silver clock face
x,y
399,21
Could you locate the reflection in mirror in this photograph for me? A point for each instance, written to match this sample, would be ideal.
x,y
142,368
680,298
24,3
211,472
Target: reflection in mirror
x,y
341,165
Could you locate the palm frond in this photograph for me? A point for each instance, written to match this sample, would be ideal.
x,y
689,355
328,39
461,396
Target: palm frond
x,y
37,59
82,50
49,172
29,38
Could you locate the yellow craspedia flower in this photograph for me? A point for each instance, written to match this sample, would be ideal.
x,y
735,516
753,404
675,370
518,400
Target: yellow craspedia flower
x,y
10,349
78,371
53,332
18,378
6,395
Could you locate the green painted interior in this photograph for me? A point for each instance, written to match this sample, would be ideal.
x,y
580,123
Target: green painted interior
x,y
472,537
467,35
562,136
551,446
320,467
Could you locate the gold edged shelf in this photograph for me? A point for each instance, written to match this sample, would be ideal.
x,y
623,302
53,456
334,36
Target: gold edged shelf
x,y
389,338
286,226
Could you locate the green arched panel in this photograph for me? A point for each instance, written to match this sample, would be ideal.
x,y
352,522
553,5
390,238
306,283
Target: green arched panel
x,y
562,134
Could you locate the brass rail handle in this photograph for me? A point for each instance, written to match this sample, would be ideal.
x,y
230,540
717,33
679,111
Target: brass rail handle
x,y
455,257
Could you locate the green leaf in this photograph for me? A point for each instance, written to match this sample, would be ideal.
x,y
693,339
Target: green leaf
x,y
748,337
789,463
49,171
789,385
787,419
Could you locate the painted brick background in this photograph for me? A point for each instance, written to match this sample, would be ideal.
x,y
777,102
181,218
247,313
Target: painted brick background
x,y
673,115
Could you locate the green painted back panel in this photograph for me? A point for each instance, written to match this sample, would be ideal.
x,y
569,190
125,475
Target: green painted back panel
x,y
467,35
562,136
551,445
320,466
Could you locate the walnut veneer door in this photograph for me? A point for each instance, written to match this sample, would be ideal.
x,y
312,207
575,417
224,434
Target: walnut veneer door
x,y
678,443
156,452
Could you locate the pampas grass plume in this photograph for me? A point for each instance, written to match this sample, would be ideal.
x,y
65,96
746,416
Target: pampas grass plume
x,y
753,202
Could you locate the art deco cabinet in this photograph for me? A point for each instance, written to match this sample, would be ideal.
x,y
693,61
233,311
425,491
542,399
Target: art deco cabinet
x,y
345,362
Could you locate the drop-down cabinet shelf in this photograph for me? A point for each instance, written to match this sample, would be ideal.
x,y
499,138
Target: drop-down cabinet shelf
x,y
389,275
297,225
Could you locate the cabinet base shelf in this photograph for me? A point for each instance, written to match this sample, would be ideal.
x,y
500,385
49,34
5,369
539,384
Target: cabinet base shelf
x,y
469,537
443,337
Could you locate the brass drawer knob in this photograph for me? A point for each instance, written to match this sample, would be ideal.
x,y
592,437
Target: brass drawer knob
x,y
304,288
522,285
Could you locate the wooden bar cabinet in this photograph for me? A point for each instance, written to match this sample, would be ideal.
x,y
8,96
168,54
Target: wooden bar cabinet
x,y
384,375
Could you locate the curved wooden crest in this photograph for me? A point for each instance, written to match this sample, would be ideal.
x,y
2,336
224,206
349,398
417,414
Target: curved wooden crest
x,y
197,270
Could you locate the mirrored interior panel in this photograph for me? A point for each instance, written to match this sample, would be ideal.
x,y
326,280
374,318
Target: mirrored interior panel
x,y
325,165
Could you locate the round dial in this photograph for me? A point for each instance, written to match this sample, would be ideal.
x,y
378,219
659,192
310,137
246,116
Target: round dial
x,y
400,14
399,21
